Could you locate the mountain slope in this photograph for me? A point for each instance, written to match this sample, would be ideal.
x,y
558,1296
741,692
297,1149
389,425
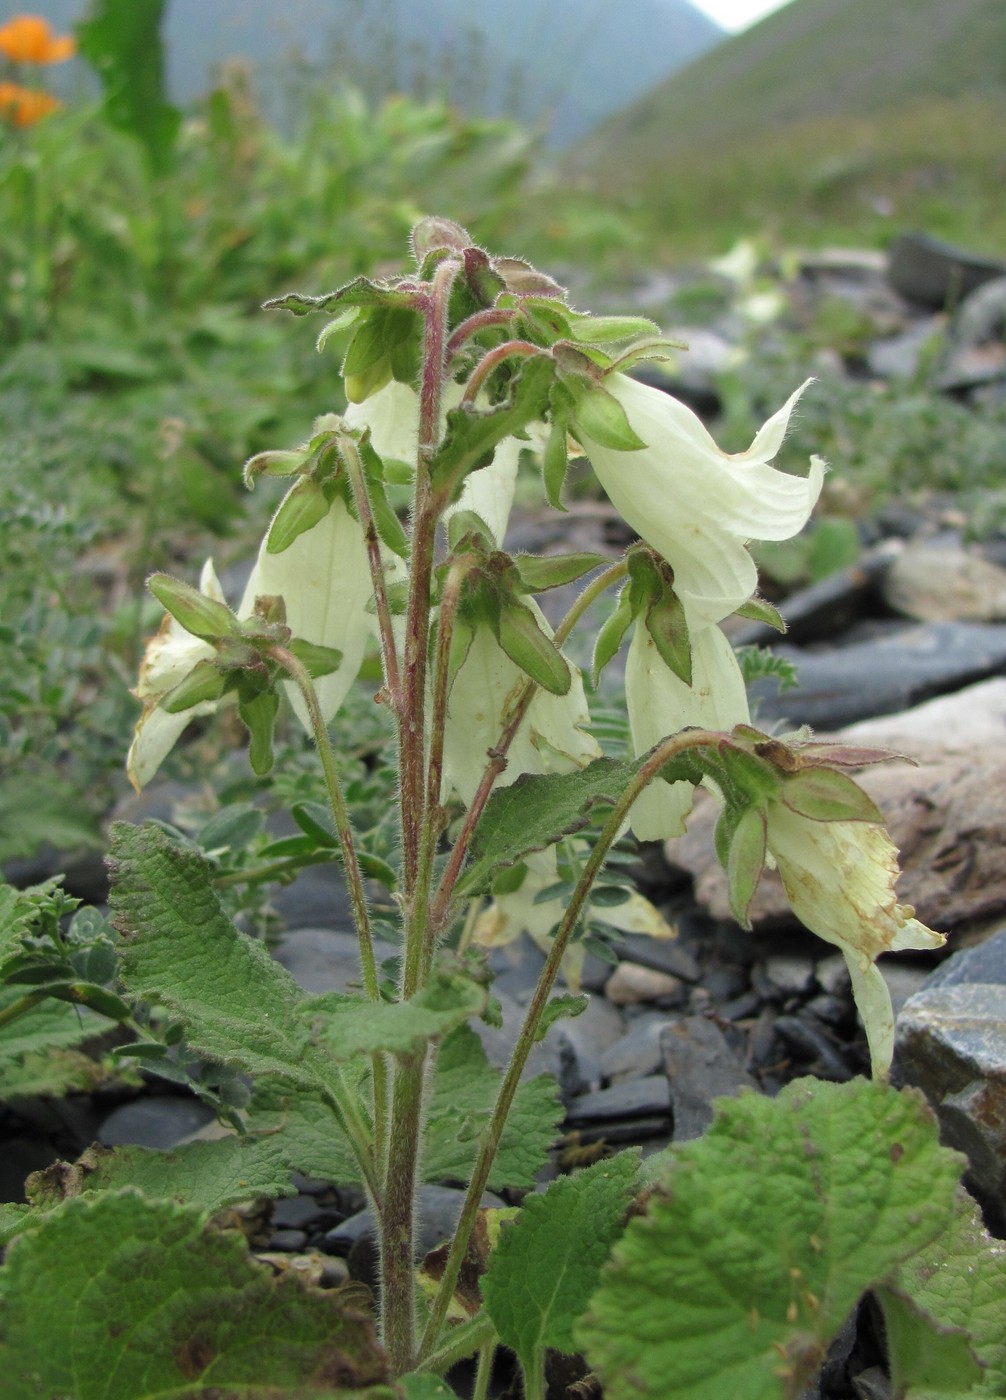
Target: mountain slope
x,y
812,60
565,64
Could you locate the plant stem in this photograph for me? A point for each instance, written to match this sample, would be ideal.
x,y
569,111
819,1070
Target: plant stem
x,y
461,1341
487,1356
478,321
491,359
663,753
389,652
593,590
398,1212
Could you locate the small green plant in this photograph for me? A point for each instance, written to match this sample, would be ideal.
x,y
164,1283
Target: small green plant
x,y
766,1233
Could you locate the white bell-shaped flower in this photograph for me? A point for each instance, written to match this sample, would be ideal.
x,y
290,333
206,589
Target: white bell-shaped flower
x,y
839,878
661,704
169,656
551,739
698,506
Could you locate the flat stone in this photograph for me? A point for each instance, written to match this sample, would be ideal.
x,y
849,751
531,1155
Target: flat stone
x,y
883,674
951,1043
630,983
161,1121
439,1211
936,274
944,583
700,1066
581,1043
792,976
638,1052
975,715
663,954
325,959
633,1098
986,962
947,817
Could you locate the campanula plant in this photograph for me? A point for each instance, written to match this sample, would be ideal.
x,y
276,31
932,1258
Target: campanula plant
x,y
766,1232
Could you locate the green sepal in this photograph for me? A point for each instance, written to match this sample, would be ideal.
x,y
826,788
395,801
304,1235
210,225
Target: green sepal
x,y
473,434
520,636
205,682
538,573
599,416
745,777
659,348
258,713
597,330
666,623
389,527
555,464
203,617
612,633
301,509
469,525
824,795
338,323
760,610
544,317
277,463
745,862
318,660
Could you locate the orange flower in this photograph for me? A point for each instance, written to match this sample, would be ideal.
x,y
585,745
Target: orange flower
x,y
29,39
25,106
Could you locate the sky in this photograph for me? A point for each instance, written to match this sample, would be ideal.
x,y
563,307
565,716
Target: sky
x,y
736,15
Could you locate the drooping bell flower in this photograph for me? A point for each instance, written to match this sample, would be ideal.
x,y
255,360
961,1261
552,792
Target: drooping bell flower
x,y
695,505
839,877
660,703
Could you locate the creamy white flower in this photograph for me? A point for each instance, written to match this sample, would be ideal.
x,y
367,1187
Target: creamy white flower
x,y
169,656
839,878
324,579
392,415
698,506
510,915
661,704
552,737
489,491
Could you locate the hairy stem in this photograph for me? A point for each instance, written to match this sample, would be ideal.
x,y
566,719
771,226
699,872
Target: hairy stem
x,y
507,351
478,321
397,1218
662,754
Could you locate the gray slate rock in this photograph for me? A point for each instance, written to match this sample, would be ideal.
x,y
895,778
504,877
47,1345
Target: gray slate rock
x,y
887,673
700,1066
325,959
439,1212
638,1052
986,962
936,274
951,1043
160,1121
633,1098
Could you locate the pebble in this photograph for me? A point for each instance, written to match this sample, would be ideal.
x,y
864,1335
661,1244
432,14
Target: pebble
x,y
631,982
631,1098
700,1066
636,1053
945,583
160,1120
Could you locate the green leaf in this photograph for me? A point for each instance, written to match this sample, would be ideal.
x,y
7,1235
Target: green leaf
x,y
774,1225
536,810
209,1175
362,292
566,1005
306,1128
319,660
760,610
960,1279
349,1026
827,796
473,433
258,714
380,351
922,1351
203,617
599,416
123,45
303,506
596,330
465,1088
548,1262
181,951
13,1218
39,807
115,1294
205,682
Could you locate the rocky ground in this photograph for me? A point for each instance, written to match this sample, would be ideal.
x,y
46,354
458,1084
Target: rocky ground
x,y
905,649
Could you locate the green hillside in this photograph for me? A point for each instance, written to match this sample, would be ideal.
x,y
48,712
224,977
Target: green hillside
x,y
829,112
